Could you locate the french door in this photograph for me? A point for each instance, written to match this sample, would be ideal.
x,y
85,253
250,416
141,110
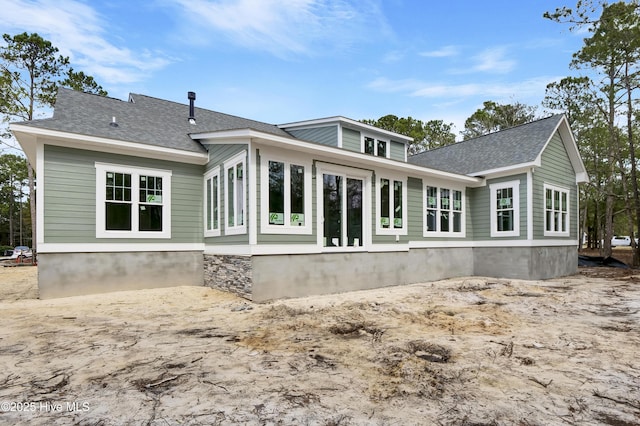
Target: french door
x,y
343,208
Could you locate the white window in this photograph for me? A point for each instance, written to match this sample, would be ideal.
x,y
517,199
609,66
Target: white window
x,y
235,215
444,212
391,207
285,195
556,211
505,209
374,146
132,202
212,203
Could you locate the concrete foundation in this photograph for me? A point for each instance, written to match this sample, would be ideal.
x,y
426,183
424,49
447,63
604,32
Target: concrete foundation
x,y
527,263
73,274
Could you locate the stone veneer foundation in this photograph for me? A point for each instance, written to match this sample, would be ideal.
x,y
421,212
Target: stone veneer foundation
x,y
229,273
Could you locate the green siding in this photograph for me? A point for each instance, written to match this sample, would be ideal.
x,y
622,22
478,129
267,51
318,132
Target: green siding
x,y
218,154
414,207
327,135
480,209
351,140
70,200
556,169
397,151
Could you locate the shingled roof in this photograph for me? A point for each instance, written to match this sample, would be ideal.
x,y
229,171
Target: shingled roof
x,y
517,145
142,119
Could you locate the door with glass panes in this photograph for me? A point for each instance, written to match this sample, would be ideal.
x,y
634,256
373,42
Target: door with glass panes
x,y
343,210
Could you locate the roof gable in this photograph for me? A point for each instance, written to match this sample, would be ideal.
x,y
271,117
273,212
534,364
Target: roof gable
x,y
520,145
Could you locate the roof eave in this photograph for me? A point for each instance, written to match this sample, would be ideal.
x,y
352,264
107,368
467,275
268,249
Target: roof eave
x,y
225,136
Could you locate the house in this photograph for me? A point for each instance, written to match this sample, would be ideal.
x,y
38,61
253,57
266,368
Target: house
x,y
151,193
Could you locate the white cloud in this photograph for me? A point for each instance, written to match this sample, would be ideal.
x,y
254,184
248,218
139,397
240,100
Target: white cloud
x,y
80,33
298,27
443,52
493,61
497,91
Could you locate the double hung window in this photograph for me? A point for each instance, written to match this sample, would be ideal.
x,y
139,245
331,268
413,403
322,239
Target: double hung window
x,y
444,213
132,202
505,209
556,209
374,146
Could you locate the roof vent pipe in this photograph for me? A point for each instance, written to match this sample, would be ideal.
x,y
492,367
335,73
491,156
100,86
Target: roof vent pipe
x,y
192,115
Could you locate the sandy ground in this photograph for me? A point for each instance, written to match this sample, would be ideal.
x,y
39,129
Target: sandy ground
x,y
467,351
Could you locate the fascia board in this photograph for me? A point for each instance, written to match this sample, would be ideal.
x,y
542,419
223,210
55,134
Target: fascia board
x,y
226,136
73,140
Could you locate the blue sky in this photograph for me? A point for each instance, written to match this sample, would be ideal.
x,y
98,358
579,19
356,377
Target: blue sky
x,y
281,61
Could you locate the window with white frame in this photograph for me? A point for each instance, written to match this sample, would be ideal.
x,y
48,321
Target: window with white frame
x,y
285,195
444,212
212,203
374,146
505,209
556,209
392,206
132,202
235,195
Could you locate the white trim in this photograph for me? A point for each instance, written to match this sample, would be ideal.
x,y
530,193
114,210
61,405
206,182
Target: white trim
x,y
288,160
493,243
94,143
264,249
348,157
515,185
561,190
376,141
342,121
39,194
530,204
233,162
135,172
463,220
117,247
347,172
252,159
392,230
215,172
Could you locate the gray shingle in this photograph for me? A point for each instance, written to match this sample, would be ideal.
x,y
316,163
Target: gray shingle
x,y
509,147
144,119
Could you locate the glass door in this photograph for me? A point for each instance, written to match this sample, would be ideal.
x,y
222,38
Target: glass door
x,y
343,211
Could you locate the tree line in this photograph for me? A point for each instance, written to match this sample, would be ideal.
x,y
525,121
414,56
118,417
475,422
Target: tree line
x,y
601,103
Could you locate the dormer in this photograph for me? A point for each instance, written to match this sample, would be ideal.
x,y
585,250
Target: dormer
x,y
351,135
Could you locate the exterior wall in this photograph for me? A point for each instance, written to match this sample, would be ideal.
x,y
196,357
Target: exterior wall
x,y
70,196
479,211
73,274
302,275
351,140
527,263
397,151
218,154
556,170
327,135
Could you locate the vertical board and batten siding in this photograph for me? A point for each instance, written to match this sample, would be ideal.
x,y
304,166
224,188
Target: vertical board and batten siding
x,y
284,238
326,135
556,169
218,154
70,196
480,209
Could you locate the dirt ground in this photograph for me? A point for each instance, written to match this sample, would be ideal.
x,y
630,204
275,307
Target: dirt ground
x,y
465,351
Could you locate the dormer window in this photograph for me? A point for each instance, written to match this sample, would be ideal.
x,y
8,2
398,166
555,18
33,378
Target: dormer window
x,y
377,147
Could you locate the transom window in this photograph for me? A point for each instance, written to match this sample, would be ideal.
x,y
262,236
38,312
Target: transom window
x,y
235,195
132,202
391,206
505,209
377,147
556,208
444,213
212,203
286,195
